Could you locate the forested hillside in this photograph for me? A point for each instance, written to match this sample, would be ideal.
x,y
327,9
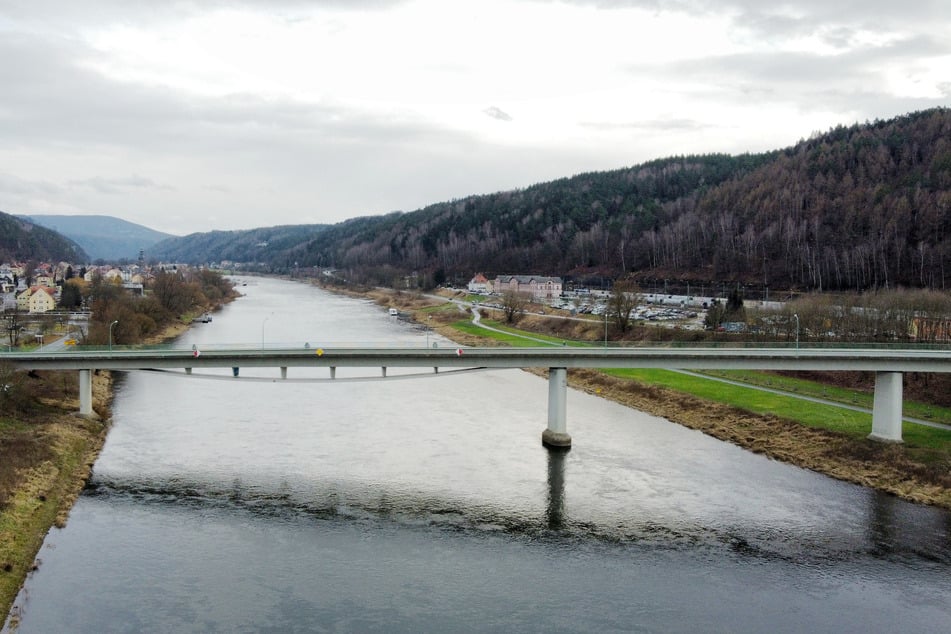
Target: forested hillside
x,y
277,248
864,206
21,240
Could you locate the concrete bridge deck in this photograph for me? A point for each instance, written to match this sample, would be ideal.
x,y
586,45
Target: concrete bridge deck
x,y
888,362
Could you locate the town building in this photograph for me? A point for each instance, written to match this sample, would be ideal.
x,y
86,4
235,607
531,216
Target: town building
x,y
537,287
480,284
37,299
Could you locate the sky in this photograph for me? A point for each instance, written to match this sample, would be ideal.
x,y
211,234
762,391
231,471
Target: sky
x,y
188,116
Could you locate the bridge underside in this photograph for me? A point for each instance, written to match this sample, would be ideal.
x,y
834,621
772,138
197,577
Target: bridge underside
x,y
886,409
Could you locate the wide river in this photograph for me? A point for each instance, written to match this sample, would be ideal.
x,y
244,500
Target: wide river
x,y
430,505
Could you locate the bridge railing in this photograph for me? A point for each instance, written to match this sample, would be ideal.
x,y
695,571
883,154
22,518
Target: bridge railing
x,y
395,345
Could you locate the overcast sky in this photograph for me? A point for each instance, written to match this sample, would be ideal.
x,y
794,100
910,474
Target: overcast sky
x,y
194,116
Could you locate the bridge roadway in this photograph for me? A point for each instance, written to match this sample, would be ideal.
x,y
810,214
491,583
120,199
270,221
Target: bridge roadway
x,y
888,363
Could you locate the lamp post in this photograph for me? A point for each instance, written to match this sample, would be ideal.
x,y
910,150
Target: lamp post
x,y
796,317
605,326
110,332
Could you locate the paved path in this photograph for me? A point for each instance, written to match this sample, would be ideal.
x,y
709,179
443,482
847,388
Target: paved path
x,y
812,399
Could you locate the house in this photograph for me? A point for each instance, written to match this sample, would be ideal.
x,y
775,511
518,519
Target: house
x,y
6,280
536,286
23,299
479,284
37,299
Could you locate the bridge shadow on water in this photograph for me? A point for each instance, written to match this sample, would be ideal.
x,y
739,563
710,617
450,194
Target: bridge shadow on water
x,y
892,533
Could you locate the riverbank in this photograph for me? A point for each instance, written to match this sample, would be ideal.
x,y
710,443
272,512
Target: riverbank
x,y
895,469
46,458
52,453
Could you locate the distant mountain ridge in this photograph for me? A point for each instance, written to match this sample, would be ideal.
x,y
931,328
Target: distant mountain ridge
x,y
103,237
22,240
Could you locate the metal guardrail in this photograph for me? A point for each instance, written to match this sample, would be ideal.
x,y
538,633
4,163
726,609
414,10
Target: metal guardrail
x,y
338,354
402,345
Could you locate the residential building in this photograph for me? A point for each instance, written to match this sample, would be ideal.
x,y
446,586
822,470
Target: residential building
x,y
37,299
537,287
479,284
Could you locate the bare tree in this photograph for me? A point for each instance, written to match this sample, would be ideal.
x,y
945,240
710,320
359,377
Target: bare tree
x,y
13,326
622,301
513,305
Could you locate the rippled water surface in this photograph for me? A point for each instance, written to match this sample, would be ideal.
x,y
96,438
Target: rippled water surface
x,y
430,505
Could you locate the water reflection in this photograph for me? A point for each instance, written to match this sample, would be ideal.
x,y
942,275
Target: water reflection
x,y
881,523
555,511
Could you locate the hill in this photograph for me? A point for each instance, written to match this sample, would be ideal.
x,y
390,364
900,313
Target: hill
x,y
859,207
22,240
103,237
276,248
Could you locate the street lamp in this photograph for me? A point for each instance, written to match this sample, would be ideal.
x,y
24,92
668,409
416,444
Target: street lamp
x,y
796,317
262,330
110,332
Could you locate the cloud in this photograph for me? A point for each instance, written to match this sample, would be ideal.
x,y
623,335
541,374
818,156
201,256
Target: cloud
x,y
497,113
138,109
16,186
118,185
654,125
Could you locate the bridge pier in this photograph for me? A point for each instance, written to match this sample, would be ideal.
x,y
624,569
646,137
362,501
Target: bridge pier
x,y
85,393
556,436
886,407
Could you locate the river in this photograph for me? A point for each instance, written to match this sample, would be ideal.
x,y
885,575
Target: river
x,y
430,505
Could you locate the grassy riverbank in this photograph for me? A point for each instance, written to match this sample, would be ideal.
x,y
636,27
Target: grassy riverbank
x,y
45,460
46,456
823,438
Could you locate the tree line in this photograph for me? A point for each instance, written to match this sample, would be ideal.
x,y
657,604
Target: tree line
x,y
170,296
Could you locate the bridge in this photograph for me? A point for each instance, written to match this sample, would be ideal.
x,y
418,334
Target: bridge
x,y
887,362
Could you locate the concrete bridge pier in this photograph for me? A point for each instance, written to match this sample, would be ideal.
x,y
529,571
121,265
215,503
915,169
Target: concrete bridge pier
x,y
85,393
556,436
886,407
